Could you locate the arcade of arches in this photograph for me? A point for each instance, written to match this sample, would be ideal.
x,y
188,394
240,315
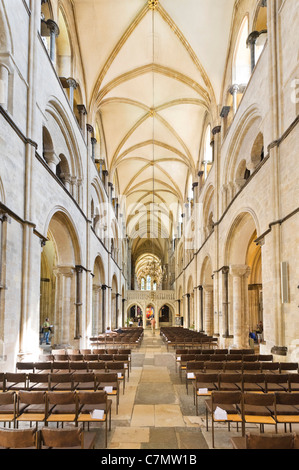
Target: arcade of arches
x,y
149,168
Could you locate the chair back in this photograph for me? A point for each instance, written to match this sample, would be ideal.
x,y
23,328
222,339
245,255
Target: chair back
x,y
18,438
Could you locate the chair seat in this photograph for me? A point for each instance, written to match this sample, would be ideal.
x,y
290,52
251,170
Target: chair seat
x,y
31,417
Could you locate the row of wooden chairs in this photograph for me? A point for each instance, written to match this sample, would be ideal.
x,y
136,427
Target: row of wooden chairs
x,y
223,361
248,408
47,438
69,407
214,351
87,363
83,352
266,441
240,366
204,384
64,381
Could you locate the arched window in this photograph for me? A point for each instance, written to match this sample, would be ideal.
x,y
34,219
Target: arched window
x,y
242,61
148,283
143,284
154,285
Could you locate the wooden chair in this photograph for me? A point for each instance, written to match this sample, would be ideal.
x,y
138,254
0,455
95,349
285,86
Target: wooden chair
x,y
251,367
265,357
293,380
276,382
61,366
15,381
31,407
203,386
182,364
232,367
68,438
84,381
270,367
214,366
38,382
85,351
2,381
191,369
43,366
125,359
287,367
234,357
91,402
18,438
258,409
109,383
8,408
97,366
117,367
61,407
265,441
230,403
253,383
60,357
91,358
61,382
75,357
229,382
25,366
78,366
286,408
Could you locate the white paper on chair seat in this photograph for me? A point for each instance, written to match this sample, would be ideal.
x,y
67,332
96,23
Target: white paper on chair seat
x,y
203,391
178,358
108,389
190,375
119,375
97,414
219,413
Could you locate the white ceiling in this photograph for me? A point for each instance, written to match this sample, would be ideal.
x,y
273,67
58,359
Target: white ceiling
x,y
153,75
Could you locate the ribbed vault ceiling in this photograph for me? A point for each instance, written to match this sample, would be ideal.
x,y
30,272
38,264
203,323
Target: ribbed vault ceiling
x,y
153,75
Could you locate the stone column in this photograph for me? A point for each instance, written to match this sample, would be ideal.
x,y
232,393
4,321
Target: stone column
x,y
225,303
82,118
201,328
208,309
64,321
93,148
4,75
251,42
52,160
104,287
188,310
123,312
54,32
96,305
72,84
78,312
240,303
234,92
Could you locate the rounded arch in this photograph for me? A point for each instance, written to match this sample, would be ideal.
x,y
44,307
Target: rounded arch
x,y
65,142
245,134
206,271
59,218
239,236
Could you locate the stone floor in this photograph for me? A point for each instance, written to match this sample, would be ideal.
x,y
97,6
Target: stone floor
x,y
155,412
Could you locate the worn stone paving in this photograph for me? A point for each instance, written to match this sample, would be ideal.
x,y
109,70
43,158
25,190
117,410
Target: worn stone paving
x,y
156,412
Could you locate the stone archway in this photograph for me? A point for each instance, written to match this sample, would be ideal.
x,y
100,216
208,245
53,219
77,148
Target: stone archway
x,y
97,320
61,283
241,259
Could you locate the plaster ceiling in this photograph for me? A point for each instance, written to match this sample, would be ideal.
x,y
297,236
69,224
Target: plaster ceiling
x,y
152,75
